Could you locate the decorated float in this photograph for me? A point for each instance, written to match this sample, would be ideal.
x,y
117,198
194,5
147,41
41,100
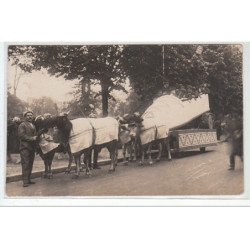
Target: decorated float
x,y
188,123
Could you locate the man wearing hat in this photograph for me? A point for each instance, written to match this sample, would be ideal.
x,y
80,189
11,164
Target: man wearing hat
x,y
27,136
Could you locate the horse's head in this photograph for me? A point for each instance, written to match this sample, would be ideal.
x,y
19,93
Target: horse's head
x,y
39,122
64,127
134,122
134,129
61,122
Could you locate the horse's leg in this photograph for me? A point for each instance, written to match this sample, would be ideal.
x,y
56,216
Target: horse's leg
x,y
44,158
50,159
77,158
124,150
131,150
139,150
143,149
112,147
68,169
159,152
87,157
83,163
149,154
87,154
97,150
168,149
46,173
135,151
90,158
116,154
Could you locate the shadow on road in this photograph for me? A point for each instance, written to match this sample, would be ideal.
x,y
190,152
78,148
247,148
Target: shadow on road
x,y
184,154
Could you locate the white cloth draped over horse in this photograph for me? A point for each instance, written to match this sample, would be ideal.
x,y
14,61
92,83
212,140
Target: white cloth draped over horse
x,y
169,112
46,141
87,132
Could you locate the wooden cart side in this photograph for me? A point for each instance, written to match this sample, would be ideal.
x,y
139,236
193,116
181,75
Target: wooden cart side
x,y
182,140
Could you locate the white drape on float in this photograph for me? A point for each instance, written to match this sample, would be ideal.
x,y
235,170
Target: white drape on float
x,y
169,112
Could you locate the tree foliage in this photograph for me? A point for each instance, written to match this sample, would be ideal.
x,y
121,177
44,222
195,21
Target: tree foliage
x,y
43,105
143,65
85,102
153,71
98,64
224,78
188,71
15,106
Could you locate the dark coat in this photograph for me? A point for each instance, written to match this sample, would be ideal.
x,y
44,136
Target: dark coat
x,y
234,133
26,133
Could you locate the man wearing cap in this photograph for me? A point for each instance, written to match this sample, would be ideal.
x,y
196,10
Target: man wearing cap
x,y
27,136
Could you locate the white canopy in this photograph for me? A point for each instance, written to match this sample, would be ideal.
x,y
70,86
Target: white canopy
x,y
174,112
169,112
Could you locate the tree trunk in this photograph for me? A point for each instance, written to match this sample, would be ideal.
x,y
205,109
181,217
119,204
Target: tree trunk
x,y
104,100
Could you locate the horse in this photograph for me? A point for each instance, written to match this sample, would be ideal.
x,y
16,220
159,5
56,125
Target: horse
x,y
232,126
146,149
87,134
42,126
45,141
129,136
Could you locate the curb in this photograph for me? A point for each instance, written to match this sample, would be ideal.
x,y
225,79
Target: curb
x,y
38,174
61,170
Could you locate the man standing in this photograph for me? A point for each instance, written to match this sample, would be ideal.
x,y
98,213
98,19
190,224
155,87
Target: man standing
x,y
27,136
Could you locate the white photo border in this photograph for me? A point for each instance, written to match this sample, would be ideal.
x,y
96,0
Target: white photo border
x,y
235,200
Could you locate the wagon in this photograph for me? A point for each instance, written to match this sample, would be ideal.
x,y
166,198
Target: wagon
x,y
188,139
187,124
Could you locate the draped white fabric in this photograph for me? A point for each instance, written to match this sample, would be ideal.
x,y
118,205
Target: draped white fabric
x,y
81,136
47,144
92,131
169,112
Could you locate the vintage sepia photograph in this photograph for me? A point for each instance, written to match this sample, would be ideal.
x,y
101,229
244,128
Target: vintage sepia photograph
x,y
124,120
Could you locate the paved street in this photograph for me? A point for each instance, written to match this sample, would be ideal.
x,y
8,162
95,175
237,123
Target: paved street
x,y
192,173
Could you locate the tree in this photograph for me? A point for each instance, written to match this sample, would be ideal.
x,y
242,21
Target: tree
x,y
19,73
224,68
189,71
85,102
153,71
143,65
129,106
15,106
99,64
43,105
19,57
185,72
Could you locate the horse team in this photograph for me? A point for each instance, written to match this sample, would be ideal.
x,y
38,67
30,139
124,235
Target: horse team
x,y
99,133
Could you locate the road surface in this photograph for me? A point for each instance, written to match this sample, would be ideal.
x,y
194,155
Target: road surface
x,y
192,173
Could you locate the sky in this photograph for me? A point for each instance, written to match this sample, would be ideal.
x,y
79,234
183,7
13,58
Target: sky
x,y
40,83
